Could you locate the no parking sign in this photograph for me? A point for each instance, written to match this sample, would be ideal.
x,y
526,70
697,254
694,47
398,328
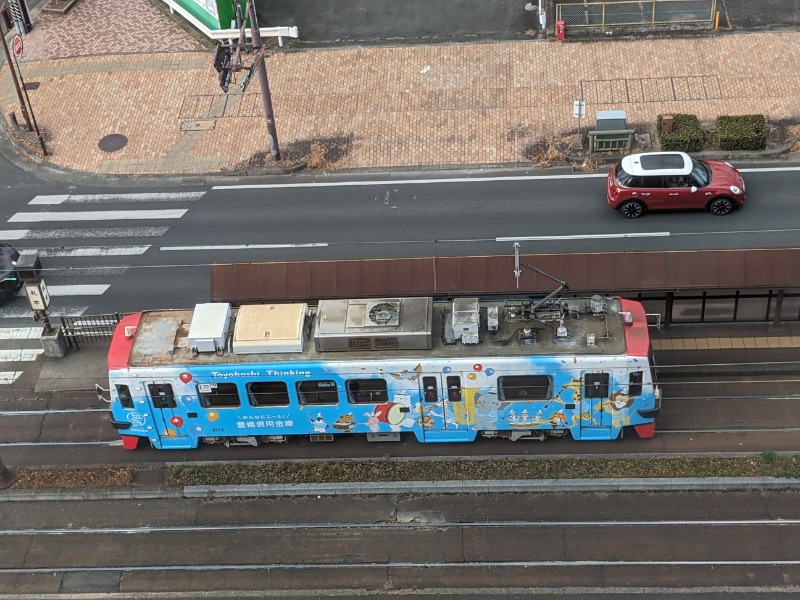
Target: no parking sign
x,y
17,45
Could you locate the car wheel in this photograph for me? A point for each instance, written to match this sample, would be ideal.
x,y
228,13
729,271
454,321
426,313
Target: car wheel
x,y
631,209
720,206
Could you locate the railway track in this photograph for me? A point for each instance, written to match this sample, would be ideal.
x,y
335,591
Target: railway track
x,y
701,415
588,544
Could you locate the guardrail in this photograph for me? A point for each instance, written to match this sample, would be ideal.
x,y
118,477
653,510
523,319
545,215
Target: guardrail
x,y
614,140
632,13
89,328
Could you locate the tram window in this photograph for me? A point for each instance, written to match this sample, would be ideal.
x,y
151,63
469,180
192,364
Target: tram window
x,y
635,383
322,391
268,393
525,387
367,391
213,395
125,398
454,388
162,395
430,389
595,385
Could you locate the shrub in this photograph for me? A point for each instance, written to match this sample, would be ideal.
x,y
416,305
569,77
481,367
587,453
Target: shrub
x,y
686,135
743,132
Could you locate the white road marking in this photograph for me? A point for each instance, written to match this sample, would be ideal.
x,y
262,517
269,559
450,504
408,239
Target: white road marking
x,y
384,183
20,333
13,234
593,236
143,197
94,251
91,271
97,215
20,355
244,247
768,169
78,290
94,232
24,312
8,377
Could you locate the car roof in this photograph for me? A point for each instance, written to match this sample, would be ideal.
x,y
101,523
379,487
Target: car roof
x,y
657,163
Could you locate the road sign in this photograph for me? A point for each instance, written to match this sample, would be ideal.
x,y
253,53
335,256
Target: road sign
x,y
38,296
17,45
579,109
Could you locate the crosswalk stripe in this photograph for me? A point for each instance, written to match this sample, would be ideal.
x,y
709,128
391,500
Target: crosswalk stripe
x,y
78,290
139,197
9,377
58,268
20,333
55,311
93,251
89,232
20,355
98,215
13,234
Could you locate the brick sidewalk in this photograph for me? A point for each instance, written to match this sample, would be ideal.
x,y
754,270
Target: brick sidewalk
x,y
382,107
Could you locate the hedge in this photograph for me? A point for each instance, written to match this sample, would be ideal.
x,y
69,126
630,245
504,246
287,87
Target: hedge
x,y
743,132
686,135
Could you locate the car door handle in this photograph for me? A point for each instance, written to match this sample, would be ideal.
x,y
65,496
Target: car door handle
x,y
673,193
645,193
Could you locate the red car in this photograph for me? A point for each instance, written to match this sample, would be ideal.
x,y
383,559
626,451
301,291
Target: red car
x,y
673,181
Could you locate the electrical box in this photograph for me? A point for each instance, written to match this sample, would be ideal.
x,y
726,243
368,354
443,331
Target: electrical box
x,y
209,328
610,120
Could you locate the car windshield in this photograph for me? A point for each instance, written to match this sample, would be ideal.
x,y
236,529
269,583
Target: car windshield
x,y
622,176
701,173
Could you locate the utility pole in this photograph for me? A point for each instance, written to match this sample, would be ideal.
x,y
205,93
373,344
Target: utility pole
x,y
18,49
7,21
226,63
266,96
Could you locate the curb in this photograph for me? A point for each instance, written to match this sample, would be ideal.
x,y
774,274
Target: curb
x,y
410,487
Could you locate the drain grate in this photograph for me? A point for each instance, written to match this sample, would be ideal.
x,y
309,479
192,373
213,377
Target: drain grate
x,y
31,85
112,142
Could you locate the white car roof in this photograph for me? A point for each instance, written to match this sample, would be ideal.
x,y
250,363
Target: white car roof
x,y
657,163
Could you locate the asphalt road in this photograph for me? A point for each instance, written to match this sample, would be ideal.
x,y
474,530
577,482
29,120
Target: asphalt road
x,y
153,249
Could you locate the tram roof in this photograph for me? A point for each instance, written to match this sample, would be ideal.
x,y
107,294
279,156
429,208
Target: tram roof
x,y
162,338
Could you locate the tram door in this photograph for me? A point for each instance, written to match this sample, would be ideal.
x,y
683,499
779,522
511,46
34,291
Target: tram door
x,y
595,397
442,403
168,422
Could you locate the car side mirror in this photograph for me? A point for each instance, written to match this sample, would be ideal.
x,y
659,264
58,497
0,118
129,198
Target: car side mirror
x,y
694,188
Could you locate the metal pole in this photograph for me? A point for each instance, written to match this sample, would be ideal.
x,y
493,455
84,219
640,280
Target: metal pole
x,y
48,328
266,97
33,117
4,9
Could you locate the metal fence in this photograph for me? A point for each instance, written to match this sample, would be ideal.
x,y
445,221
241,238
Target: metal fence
x,y
89,328
636,13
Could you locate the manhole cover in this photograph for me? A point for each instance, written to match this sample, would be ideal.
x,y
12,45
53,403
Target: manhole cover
x,y
113,142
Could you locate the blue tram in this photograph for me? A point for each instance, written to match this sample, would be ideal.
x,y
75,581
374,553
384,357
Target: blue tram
x,y
381,368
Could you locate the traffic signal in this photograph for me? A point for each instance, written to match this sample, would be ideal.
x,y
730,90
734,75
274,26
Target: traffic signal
x,y
222,63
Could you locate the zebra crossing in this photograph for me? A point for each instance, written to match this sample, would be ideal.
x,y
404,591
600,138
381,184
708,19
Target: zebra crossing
x,y
68,249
